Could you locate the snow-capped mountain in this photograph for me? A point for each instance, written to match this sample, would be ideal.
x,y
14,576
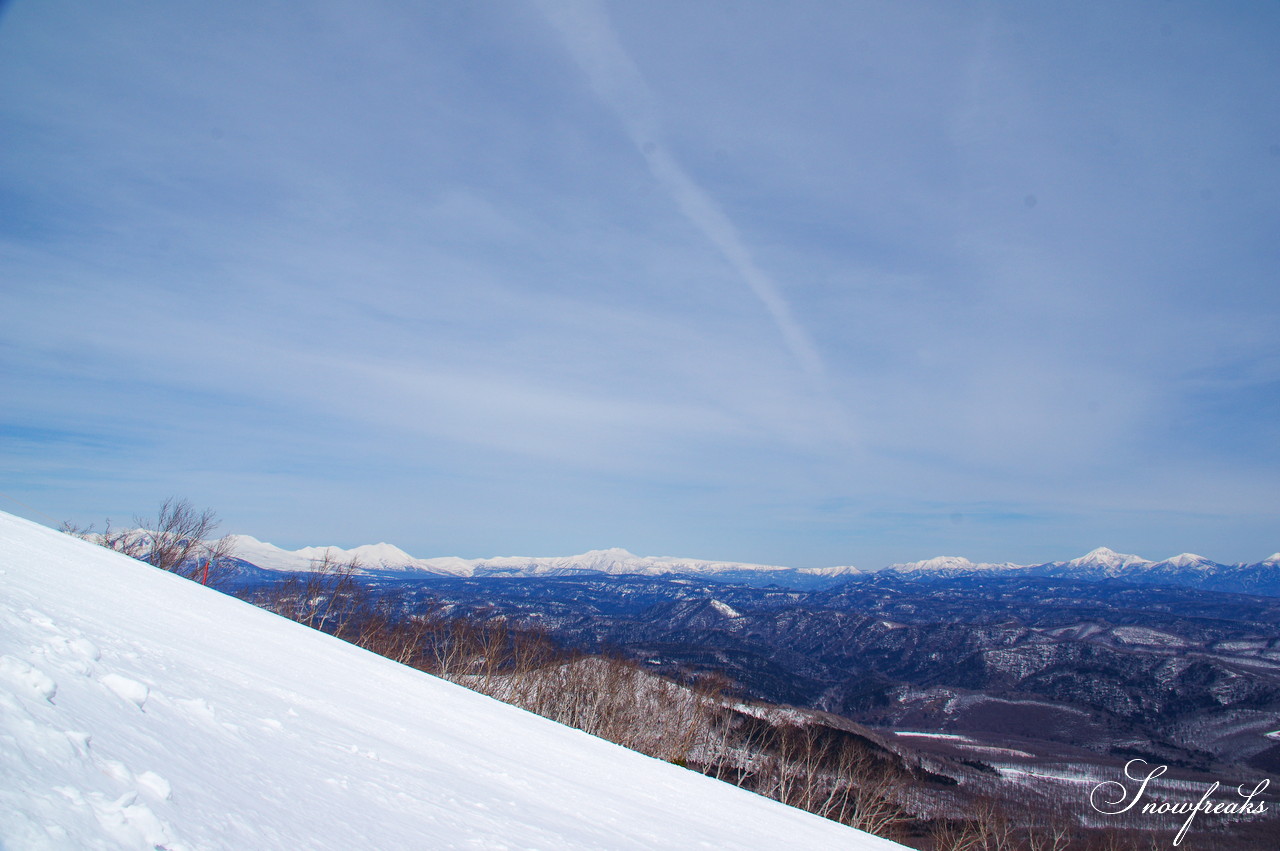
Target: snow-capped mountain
x,y
1101,561
381,557
141,710
1104,564
1188,561
619,561
1106,560
948,565
1101,564
1185,569
614,561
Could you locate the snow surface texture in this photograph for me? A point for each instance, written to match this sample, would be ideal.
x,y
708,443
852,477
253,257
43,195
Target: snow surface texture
x,y
140,710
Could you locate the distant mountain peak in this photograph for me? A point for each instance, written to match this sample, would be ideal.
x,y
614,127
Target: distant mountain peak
x,y
1109,558
948,563
366,555
615,553
839,570
1187,560
249,542
383,553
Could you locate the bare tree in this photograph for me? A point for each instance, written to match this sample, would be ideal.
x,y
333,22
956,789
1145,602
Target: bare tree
x,y
1054,830
875,791
327,597
951,835
180,540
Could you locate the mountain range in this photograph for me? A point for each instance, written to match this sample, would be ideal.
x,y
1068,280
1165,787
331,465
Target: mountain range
x,y
615,561
1186,570
1102,564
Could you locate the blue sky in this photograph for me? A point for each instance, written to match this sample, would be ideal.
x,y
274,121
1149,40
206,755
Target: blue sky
x,y
804,283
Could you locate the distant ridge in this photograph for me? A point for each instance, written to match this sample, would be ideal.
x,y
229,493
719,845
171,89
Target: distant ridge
x,y
1101,564
1186,570
613,561
949,564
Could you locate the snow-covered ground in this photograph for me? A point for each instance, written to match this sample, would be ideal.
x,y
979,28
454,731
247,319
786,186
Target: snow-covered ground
x,y
948,737
140,710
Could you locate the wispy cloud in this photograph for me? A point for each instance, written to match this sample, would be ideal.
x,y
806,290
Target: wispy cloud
x,y
590,38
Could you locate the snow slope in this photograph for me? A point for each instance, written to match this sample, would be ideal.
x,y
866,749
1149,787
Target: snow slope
x,y
140,710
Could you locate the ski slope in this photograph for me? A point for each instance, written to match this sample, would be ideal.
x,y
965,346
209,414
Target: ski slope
x,y
140,710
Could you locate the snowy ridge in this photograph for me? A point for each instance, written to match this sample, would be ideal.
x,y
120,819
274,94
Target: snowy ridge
x,y
1100,563
1107,559
140,710
614,561
1186,570
725,609
369,557
1188,560
372,555
1101,560
948,564
620,561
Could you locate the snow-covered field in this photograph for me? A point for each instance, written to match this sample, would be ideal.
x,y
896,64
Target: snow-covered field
x,y
947,737
140,710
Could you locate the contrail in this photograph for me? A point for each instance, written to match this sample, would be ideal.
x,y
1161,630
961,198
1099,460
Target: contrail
x,y
587,33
